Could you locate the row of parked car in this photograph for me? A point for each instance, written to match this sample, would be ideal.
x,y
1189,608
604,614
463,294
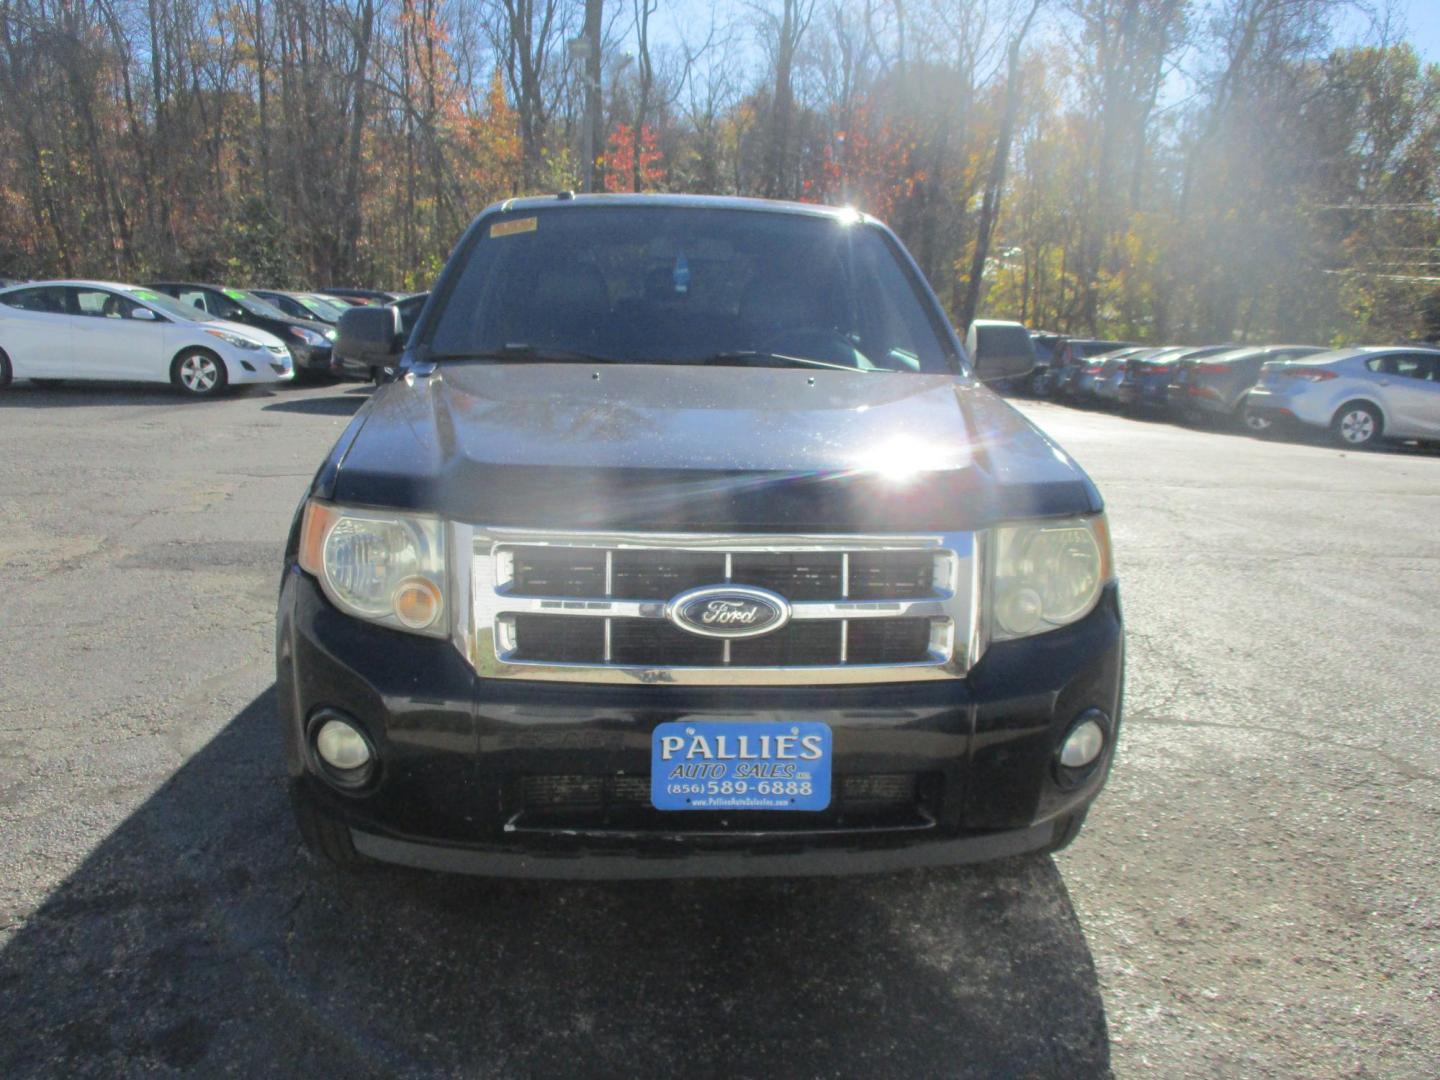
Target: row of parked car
x,y
201,338
1360,395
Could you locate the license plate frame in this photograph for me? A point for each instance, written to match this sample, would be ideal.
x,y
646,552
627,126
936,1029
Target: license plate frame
x,y
734,765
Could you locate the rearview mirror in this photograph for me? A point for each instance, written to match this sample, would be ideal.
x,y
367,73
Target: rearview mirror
x,y
371,334
999,350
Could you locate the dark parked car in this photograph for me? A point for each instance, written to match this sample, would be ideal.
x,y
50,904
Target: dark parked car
x,y
1146,382
308,340
1099,376
1216,387
1040,381
689,543
1073,356
300,305
407,310
363,296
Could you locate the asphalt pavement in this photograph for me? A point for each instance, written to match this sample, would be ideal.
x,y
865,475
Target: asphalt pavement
x,y
1254,895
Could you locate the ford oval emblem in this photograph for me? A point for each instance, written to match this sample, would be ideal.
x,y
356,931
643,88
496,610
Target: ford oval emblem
x,y
728,611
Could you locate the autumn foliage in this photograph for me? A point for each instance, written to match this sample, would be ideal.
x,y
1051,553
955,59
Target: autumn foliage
x,y
1289,189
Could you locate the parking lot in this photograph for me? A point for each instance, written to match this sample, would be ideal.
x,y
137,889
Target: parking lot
x,y
1253,895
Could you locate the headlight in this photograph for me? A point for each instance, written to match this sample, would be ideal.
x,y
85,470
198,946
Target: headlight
x,y
309,337
331,335
380,565
234,339
1047,574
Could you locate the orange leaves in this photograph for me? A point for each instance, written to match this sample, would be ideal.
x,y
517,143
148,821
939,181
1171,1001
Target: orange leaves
x,y
872,163
620,150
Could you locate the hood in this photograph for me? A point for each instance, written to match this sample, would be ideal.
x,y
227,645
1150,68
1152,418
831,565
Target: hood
x,y
245,330
650,447
318,325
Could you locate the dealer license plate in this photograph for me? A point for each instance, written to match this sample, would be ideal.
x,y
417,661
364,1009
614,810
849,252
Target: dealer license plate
x,y
740,765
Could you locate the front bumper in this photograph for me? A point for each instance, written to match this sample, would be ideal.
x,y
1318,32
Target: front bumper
x,y
342,367
454,747
314,359
258,366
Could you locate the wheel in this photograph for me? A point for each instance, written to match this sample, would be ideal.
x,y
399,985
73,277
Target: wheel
x,y
1357,425
1038,383
324,837
5,373
198,373
48,384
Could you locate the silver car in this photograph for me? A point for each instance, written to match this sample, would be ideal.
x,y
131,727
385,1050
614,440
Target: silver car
x,y
1361,395
1216,387
1111,379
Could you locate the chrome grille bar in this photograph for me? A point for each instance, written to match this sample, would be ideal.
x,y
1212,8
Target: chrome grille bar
x,y
951,610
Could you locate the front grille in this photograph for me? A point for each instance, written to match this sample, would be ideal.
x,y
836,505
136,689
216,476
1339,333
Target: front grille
x,y
818,642
858,800
795,575
654,642
555,639
889,641
651,575
891,575
576,607
543,571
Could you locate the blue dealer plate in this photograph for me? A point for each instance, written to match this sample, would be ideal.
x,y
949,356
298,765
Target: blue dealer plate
x,y
740,765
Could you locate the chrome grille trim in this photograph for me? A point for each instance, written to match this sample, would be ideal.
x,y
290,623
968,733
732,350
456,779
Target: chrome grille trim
x,y
489,638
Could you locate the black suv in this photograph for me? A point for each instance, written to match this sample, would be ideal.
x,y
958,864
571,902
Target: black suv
x,y
309,340
688,542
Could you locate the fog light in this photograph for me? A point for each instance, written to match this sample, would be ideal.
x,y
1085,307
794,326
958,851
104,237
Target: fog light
x,y
1082,745
341,747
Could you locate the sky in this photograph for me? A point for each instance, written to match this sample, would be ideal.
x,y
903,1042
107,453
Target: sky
x,y
1423,19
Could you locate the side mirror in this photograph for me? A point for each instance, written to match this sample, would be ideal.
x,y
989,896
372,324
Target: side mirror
x,y
1000,352
144,314
369,334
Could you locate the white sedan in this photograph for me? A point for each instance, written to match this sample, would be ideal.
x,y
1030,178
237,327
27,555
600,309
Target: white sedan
x,y
54,330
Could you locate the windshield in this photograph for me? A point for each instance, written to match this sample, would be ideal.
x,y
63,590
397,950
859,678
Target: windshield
x,y
672,284
318,307
169,305
253,304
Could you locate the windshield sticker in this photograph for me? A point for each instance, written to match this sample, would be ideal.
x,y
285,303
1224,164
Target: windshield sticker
x,y
234,294
517,225
145,294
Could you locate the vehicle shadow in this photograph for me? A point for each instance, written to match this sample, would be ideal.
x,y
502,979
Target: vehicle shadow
x,y
197,936
347,405
26,395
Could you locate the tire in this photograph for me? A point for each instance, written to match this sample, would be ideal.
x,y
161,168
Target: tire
x,y
324,837
1037,383
1262,427
6,373
1357,426
199,373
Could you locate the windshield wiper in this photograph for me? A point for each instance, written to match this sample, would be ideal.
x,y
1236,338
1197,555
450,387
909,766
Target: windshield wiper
x,y
526,352
759,358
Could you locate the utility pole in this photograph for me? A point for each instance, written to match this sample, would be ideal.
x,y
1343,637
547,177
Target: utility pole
x,y
586,48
